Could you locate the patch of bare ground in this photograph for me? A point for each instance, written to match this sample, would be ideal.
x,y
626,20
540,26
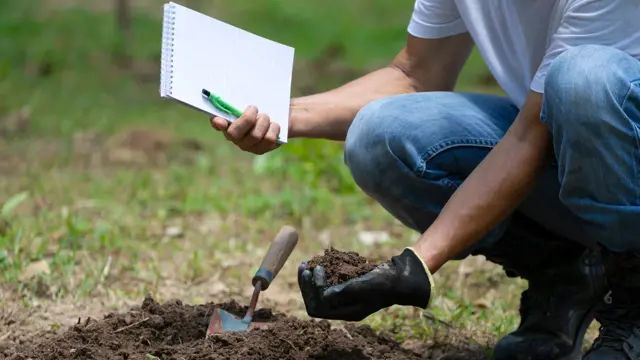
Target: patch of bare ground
x,y
135,147
175,330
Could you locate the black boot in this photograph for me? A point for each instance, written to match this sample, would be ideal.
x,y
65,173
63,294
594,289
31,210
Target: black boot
x,y
566,285
619,319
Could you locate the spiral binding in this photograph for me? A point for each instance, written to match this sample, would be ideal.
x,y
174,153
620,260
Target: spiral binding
x,y
166,63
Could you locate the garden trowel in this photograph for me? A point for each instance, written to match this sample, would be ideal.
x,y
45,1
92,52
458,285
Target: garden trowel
x,y
280,249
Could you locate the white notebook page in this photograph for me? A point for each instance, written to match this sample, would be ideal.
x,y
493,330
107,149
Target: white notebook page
x,y
242,68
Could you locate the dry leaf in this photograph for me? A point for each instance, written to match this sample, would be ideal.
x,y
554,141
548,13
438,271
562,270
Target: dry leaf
x,y
373,237
486,301
173,231
34,269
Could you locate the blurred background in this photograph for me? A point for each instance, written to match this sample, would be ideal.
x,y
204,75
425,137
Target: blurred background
x,y
109,192
103,56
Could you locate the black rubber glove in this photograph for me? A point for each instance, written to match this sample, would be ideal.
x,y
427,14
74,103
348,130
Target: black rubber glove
x,y
404,280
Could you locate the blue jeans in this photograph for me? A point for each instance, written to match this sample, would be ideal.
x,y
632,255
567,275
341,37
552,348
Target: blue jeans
x,y
410,152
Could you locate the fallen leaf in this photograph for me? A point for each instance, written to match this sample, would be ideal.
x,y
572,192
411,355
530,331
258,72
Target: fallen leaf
x,y
34,269
486,301
373,237
173,231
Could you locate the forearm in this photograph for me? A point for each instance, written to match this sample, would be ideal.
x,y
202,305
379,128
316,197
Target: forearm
x,y
423,65
492,191
328,115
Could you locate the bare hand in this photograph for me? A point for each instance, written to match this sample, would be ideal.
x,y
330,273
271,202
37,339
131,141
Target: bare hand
x,y
253,132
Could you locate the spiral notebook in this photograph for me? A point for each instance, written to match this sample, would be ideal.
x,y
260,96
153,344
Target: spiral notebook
x,y
200,52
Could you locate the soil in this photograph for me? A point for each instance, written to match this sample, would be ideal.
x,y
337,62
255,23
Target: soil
x,y
175,331
341,266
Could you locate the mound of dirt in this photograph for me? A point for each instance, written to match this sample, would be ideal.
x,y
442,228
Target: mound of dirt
x,y
177,331
340,266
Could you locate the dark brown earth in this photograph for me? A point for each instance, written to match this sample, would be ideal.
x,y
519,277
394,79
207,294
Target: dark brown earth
x,y
341,266
177,331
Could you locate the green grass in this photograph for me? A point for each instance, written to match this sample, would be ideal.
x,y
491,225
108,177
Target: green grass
x,y
114,221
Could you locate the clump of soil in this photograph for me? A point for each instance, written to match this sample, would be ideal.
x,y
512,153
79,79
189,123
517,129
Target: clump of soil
x,y
177,331
341,266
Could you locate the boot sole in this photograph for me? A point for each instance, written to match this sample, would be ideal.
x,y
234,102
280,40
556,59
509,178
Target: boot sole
x,y
576,354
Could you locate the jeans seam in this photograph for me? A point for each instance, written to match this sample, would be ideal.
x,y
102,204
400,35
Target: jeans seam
x,y
637,139
450,184
632,84
436,149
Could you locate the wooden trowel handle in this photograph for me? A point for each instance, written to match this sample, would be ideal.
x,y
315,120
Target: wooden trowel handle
x,y
278,253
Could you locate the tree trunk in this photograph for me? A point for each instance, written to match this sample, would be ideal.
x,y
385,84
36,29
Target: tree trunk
x,y
123,48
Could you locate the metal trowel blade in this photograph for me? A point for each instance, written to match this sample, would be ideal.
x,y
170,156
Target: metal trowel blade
x,y
223,321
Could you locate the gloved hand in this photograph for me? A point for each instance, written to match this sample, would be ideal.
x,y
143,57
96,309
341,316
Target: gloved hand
x,y
404,280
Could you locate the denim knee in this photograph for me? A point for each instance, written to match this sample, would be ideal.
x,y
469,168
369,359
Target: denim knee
x,y
580,85
373,147
425,140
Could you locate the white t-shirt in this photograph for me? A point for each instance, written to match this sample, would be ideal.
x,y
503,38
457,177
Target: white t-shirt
x,y
518,39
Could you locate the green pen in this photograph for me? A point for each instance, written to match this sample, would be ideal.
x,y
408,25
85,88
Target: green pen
x,y
221,104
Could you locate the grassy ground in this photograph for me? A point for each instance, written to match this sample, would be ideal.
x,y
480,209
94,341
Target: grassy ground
x,y
110,192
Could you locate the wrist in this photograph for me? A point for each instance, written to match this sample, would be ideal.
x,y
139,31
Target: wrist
x,y
433,248
319,117
297,114
415,285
